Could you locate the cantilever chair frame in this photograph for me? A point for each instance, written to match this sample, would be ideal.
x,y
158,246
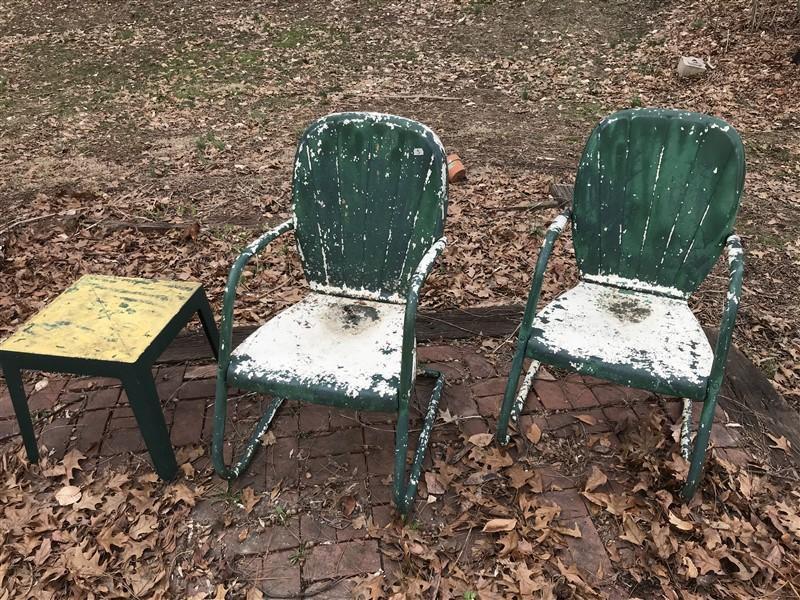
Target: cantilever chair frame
x,y
405,483
514,399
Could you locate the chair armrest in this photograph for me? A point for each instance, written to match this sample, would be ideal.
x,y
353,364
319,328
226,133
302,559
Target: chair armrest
x,y
555,229
410,320
735,254
226,327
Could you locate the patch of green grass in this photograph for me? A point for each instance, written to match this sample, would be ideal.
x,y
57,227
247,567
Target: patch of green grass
x,y
250,57
470,595
293,37
298,557
209,140
230,496
584,111
769,367
646,68
405,55
636,102
281,516
697,24
476,7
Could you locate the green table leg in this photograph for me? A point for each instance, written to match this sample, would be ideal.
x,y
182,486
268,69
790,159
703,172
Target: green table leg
x,y
209,325
17,391
143,396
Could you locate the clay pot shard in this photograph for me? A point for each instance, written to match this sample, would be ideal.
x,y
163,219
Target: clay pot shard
x,y
455,169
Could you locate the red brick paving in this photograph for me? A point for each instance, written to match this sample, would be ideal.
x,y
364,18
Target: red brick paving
x,y
327,561
322,458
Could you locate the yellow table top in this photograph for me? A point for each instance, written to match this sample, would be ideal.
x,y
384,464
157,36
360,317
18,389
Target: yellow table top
x,y
101,317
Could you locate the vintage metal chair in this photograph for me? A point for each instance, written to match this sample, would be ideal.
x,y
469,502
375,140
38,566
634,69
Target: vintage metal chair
x,y
655,201
369,202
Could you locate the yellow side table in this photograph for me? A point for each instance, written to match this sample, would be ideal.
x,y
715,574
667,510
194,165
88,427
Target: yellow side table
x,y
113,327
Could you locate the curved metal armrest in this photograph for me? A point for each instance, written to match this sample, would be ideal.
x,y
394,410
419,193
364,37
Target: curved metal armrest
x,y
410,321
735,254
226,327
555,229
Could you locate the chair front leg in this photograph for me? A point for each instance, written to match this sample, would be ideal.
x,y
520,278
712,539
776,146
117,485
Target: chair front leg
x,y
218,439
686,429
514,400
406,490
700,444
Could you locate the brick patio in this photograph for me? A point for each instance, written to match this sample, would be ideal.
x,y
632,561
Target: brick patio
x,y
326,469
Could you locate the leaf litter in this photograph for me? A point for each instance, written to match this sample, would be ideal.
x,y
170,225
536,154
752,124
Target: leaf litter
x,y
174,169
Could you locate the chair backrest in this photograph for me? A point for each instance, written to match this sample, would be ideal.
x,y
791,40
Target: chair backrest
x,y
370,198
656,196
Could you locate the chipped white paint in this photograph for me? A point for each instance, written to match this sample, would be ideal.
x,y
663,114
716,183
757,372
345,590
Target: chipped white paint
x,y
360,293
310,151
653,334
735,250
255,246
350,346
557,226
519,401
686,428
426,263
637,285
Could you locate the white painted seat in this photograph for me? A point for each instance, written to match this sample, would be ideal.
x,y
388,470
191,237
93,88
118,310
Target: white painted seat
x,y
335,347
641,339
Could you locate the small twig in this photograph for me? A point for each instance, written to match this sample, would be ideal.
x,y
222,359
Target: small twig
x,y
532,206
404,96
328,586
464,547
153,225
424,316
16,224
505,341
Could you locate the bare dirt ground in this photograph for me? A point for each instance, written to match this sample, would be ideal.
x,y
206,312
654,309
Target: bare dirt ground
x,y
178,112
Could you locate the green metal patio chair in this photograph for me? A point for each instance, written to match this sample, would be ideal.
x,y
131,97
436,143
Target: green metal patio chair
x,y
369,201
655,201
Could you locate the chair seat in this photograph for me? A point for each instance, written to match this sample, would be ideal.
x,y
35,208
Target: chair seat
x,y
326,349
634,338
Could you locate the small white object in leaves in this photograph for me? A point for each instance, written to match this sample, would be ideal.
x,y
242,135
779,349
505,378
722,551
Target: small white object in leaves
x,y
691,66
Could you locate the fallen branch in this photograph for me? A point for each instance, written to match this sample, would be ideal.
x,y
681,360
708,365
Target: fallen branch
x,y
151,225
531,206
16,224
404,96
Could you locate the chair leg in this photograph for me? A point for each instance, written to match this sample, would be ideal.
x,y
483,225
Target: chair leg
x,y
218,439
686,429
143,397
20,403
700,446
512,404
406,490
209,325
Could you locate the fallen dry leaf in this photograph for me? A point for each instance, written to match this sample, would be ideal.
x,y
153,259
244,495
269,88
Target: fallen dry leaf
x,y
249,499
781,443
533,433
495,525
481,439
596,479
69,494
680,523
